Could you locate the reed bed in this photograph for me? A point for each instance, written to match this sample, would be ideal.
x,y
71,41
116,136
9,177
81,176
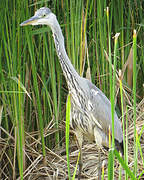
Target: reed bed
x,y
33,91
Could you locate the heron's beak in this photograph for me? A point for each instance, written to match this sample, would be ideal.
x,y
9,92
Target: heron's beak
x,y
30,21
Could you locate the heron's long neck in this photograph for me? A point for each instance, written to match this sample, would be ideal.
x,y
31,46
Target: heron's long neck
x,y
69,72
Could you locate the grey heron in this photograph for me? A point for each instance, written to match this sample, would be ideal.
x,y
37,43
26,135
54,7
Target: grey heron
x,y
90,108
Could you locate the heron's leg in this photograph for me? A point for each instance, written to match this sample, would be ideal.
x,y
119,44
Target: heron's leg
x,y
98,139
80,163
100,164
79,136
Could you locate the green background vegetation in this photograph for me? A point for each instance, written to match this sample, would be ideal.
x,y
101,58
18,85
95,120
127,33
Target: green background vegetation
x,y
33,91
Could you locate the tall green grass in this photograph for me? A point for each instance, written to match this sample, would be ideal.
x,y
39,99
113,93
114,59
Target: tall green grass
x,y
134,98
33,90
68,114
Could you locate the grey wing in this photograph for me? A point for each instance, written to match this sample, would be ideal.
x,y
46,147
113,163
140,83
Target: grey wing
x,y
102,112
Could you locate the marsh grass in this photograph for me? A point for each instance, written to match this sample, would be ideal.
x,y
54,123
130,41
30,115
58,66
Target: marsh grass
x,y
68,109
33,91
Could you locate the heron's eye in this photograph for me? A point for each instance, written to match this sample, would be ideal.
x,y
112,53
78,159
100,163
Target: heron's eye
x,y
44,15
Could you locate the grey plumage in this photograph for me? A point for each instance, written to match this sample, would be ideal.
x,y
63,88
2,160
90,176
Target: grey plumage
x,y
90,108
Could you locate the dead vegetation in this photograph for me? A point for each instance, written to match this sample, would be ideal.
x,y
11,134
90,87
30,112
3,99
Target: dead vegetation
x,y
54,166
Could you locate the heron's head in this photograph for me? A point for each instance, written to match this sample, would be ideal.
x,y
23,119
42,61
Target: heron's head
x,y
42,16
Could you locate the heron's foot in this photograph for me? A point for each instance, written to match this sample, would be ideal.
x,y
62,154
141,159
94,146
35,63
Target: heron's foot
x,y
80,169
